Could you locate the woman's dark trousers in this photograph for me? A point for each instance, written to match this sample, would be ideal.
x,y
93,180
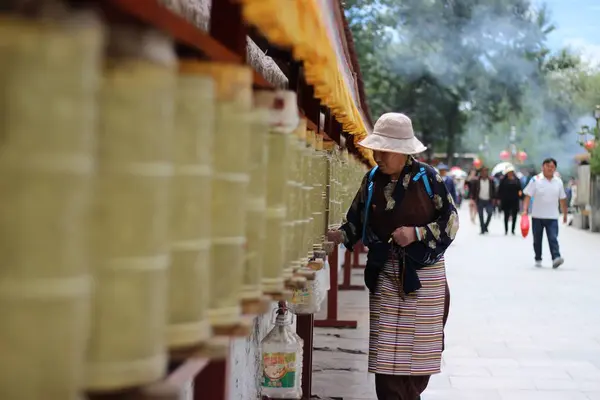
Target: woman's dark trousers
x,y
509,213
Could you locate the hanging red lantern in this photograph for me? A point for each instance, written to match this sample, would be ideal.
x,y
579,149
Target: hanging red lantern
x,y
504,155
522,156
477,163
589,145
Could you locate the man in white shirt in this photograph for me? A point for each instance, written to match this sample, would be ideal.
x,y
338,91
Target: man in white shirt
x,y
547,190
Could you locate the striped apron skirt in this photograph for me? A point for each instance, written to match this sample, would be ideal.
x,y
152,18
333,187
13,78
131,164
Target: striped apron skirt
x,y
406,335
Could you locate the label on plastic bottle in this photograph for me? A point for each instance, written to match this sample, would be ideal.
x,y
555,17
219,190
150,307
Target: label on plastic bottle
x,y
279,370
301,296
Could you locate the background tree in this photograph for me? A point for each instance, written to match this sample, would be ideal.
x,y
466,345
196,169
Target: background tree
x,y
463,69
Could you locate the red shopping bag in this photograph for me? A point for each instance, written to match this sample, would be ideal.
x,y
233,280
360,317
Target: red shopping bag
x,y
524,225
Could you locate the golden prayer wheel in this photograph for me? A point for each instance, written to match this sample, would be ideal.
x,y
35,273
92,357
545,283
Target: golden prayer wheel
x,y
256,204
291,202
318,193
130,235
191,208
334,190
307,188
295,193
300,209
50,72
328,191
277,244
233,86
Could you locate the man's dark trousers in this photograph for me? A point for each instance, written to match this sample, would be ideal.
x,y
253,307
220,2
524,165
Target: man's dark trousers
x,y
488,206
551,226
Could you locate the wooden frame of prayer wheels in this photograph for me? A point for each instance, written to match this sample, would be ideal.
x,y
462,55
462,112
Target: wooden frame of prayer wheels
x,y
191,208
143,255
233,85
132,206
49,78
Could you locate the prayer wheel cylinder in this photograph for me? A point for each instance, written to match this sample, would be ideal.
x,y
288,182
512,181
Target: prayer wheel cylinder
x,y
191,208
50,71
298,189
319,182
307,188
284,119
256,205
233,85
333,191
292,201
130,234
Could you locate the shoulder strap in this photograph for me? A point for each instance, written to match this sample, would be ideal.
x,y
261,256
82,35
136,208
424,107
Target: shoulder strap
x,y
370,185
422,174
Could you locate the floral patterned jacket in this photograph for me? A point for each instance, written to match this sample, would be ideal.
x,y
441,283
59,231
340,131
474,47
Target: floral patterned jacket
x,y
433,237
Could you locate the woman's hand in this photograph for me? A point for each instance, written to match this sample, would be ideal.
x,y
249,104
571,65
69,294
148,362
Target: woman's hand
x,y
335,235
404,235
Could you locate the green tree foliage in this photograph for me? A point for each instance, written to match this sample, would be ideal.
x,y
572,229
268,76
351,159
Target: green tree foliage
x,y
466,68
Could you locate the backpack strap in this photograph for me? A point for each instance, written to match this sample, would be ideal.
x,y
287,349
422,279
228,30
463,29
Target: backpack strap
x,y
422,174
370,185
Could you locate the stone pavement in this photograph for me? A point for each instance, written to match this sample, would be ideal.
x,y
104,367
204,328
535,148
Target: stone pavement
x,y
515,332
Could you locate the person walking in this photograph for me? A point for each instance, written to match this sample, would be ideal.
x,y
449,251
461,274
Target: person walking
x,y
509,195
469,190
484,194
405,216
548,191
448,181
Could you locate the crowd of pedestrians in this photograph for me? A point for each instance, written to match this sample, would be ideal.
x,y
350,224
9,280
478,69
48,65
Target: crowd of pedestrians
x,y
543,197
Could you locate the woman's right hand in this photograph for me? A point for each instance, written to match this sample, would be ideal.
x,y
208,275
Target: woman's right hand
x,y
335,236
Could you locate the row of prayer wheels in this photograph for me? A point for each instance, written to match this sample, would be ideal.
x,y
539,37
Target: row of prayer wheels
x,y
146,200
346,174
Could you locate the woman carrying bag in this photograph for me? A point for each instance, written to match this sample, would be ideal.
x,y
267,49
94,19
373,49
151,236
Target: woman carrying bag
x,y
509,194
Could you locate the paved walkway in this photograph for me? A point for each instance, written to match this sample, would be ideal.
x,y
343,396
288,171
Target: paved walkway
x,y
515,332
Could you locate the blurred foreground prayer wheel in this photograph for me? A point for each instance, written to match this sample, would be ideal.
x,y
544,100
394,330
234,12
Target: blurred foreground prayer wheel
x,y
256,206
318,193
292,205
191,207
328,193
50,72
284,119
132,207
297,190
307,190
233,85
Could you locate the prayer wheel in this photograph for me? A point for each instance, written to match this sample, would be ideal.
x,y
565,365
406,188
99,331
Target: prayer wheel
x,y
49,79
329,188
130,235
277,243
190,208
233,85
256,204
334,190
307,218
295,222
318,193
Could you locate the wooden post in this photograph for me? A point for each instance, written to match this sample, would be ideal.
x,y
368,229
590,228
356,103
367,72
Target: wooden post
x,y
347,267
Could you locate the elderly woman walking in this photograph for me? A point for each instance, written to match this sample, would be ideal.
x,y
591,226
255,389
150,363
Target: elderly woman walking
x,y
405,215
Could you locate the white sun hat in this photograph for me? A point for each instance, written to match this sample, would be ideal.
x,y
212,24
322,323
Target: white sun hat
x,y
393,132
